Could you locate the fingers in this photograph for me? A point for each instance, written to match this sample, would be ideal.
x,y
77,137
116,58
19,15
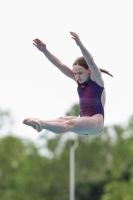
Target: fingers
x,y
74,34
37,41
39,44
35,44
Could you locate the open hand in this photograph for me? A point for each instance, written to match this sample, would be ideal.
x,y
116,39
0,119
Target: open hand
x,y
39,44
75,37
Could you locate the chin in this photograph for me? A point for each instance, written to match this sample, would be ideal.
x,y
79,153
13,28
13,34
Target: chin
x,y
80,81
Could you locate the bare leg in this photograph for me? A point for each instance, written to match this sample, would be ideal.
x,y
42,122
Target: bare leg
x,y
28,122
61,119
79,125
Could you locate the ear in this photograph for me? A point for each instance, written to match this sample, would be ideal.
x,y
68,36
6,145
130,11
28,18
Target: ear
x,y
89,70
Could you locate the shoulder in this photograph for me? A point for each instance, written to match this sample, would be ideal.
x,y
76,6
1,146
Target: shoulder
x,y
99,80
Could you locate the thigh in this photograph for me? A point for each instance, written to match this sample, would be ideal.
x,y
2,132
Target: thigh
x,y
61,119
86,125
67,118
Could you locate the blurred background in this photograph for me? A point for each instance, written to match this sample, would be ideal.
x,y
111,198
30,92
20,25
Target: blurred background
x,y
37,165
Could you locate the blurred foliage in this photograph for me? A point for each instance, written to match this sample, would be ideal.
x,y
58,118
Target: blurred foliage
x,y
6,119
74,111
103,167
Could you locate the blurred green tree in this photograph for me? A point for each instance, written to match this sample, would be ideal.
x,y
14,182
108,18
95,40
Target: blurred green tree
x,y
74,111
6,121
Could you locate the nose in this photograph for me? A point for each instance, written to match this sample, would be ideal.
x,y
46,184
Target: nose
x,y
78,77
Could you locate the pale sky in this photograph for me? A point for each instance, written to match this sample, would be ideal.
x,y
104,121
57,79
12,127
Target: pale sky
x,y
30,86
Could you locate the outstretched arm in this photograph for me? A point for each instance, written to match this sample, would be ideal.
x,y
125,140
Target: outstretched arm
x,y
55,61
96,73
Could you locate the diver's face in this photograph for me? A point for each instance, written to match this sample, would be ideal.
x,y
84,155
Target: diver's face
x,y
81,74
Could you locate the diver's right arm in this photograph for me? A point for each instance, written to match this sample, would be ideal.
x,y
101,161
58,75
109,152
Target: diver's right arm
x,y
55,61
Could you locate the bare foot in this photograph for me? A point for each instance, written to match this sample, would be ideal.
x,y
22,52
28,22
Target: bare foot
x,y
34,123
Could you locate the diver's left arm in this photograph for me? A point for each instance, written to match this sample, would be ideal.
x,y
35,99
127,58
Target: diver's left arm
x,y
96,73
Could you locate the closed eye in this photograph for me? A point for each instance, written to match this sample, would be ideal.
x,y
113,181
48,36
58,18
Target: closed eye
x,y
78,73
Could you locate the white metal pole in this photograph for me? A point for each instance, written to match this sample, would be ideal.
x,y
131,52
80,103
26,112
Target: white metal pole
x,y
72,172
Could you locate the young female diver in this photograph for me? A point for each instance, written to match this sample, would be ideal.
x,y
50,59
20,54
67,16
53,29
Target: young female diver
x,y
91,91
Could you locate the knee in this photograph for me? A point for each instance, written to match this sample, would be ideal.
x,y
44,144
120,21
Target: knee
x,y
61,118
70,124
